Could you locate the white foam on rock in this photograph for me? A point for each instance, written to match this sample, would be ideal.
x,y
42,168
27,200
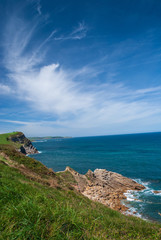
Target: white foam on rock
x,y
131,195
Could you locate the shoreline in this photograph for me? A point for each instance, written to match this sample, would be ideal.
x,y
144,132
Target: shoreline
x,y
133,197
127,201
108,188
121,200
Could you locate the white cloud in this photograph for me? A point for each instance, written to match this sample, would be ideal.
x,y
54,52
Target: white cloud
x,y
53,90
149,90
18,35
4,89
15,122
77,34
39,8
57,91
80,31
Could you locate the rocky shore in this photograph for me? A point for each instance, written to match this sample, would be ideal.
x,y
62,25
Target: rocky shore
x,y
101,185
105,187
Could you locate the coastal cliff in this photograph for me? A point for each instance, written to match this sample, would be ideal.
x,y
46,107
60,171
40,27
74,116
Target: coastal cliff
x,y
25,146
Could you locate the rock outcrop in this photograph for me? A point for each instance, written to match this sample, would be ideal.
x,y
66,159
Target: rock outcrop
x,y
24,145
105,187
81,180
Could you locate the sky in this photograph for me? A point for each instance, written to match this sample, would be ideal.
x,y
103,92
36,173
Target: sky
x,y
80,68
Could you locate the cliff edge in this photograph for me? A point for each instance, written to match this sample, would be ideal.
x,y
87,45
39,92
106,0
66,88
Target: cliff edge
x,y
19,142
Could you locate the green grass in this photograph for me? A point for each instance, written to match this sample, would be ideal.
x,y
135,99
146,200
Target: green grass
x,y
31,211
28,162
66,178
3,137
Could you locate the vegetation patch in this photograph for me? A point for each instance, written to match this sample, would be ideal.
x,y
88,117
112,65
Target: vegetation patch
x,y
67,177
28,162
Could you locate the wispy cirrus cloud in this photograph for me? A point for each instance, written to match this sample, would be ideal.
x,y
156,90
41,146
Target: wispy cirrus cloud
x,y
16,122
78,33
52,90
72,101
39,7
16,57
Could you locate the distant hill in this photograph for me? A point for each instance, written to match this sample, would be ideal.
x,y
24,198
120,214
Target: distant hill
x,y
46,138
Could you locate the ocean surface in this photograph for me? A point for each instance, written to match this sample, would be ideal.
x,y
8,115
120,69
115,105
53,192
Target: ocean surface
x,y
137,156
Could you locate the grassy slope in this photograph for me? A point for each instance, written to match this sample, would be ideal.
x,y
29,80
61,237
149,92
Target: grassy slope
x,y
3,137
20,158
30,210
8,147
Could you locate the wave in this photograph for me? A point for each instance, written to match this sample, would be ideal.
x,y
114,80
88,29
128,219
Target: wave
x,y
144,183
28,155
157,192
132,211
132,195
148,190
136,201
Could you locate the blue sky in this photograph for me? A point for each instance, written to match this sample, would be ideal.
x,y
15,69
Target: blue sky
x,y
80,68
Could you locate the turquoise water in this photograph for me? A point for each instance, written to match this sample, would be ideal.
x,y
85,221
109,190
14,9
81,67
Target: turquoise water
x,y
137,156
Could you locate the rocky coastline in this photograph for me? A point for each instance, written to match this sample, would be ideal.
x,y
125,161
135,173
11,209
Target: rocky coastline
x,y
102,186
105,187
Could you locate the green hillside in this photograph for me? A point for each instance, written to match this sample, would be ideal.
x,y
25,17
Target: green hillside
x,y
3,137
37,203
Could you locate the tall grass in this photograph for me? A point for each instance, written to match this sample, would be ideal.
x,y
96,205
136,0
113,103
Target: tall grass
x,y
31,211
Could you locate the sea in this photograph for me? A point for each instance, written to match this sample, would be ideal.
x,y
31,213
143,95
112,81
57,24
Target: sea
x,y
137,156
